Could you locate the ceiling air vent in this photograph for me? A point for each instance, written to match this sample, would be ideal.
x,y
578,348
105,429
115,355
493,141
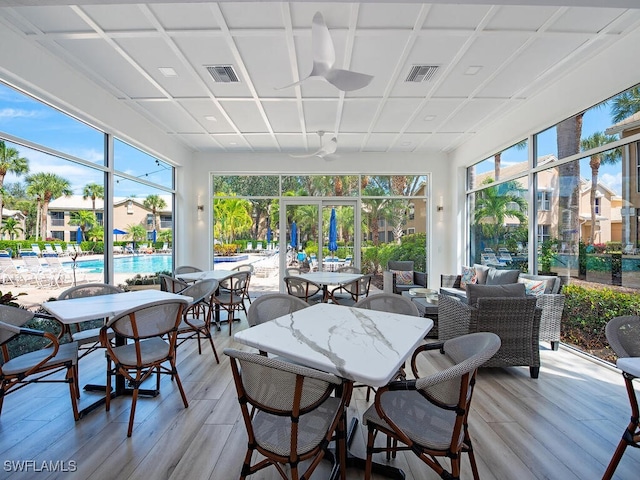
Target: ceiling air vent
x,y
222,73
421,73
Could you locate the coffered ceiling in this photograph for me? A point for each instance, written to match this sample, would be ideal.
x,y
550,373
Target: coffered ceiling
x,y
153,58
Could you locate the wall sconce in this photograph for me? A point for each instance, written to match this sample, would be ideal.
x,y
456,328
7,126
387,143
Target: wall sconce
x,y
440,204
200,207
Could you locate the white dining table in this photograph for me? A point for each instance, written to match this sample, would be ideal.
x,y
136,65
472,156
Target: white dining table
x,y
75,310
324,279
206,275
365,346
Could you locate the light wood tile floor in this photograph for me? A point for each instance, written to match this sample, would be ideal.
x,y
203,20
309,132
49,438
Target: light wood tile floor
x,y
564,425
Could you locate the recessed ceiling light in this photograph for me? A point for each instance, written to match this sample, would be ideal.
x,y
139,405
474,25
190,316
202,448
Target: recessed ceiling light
x,y
405,144
232,143
472,70
428,118
211,118
168,71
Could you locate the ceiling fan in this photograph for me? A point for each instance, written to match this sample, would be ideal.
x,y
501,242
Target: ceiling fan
x,y
325,150
324,57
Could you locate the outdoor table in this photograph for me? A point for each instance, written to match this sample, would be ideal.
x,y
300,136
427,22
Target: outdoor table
x,y
365,346
427,309
76,310
324,279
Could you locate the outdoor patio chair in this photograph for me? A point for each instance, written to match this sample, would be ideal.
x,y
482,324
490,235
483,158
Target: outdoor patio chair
x,y
196,318
292,272
36,366
306,290
623,334
428,415
400,276
38,272
516,320
60,274
290,412
87,334
48,249
231,294
171,284
629,249
350,293
9,271
59,251
186,269
150,333
247,267
71,250
348,269
36,249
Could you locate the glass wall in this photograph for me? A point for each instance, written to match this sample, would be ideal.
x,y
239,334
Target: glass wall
x,y
53,201
584,184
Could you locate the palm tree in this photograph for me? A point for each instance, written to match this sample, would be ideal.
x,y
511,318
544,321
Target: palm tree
x,y
137,233
494,205
11,227
10,161
93,191
625,104
610,157
231,217
95,233
569,132
84,219
497,158
154,203
46,187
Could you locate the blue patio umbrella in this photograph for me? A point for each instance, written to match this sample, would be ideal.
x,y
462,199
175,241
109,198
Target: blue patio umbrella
x,y
79,235
333,232
154,235
268,235
294,235
117,231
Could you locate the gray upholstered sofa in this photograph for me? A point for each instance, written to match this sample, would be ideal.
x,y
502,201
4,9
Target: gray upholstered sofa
x,y
551,301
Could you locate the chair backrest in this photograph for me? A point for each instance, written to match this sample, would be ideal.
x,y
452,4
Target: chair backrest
x,y
293,271
359,287
186,269
405,265
153,320
269,383
348,269
171,284
247,267
236,283
468,353
623,334
15,317
89,290
273,305
389,302
301,288
201,290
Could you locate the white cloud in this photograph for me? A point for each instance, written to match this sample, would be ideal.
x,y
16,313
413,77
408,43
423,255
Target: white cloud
x,y
18,113
613,181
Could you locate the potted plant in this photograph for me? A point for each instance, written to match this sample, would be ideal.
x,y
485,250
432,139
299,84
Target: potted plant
x,y
143,282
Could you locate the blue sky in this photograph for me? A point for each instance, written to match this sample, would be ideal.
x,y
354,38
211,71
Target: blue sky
x,y
31,120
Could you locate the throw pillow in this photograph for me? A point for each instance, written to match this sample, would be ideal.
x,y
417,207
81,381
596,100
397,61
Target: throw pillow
x,y
467,277
481,291
533,287
403,277
481,273
552,283
502,277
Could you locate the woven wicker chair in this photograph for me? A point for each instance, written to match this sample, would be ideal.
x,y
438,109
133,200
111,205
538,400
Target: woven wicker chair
x,y
350,293
306,290
37,365
246,268
623,334
171,284
290,413
273,305
348,269
390,284
428,415
515,320
186,269
196,318
151,332
231,295
89,339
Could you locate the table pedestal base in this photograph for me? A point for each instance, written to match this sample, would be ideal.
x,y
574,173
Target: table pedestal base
x,y
353,461
101,401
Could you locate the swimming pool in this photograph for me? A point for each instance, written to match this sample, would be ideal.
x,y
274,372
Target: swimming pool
x,y
129,264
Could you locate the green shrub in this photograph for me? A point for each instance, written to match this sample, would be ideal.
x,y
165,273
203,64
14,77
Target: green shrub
x,y
587,311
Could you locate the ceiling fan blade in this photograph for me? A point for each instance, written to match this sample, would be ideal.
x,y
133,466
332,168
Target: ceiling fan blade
x,y
331,147
317,153
321,42
346,80
291,85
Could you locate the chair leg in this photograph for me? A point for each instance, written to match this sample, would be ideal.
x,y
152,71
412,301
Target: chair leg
x,y
534,372
71,378
134,401
369,461
174,373
554,346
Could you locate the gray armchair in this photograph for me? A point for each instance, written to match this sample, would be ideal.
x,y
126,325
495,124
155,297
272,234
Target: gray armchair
x,y
392,283
516,320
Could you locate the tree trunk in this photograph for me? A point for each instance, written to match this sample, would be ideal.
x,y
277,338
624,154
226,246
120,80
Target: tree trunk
x,y
595,166
496,161
569,132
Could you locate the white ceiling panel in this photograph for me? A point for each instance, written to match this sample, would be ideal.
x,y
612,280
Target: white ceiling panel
x,y
520,50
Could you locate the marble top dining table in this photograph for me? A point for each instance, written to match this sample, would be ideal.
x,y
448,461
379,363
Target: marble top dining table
x,y
330,278
365,346
75,310
206,275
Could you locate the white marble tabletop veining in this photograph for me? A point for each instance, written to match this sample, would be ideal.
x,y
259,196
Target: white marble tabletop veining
x,y
366,346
